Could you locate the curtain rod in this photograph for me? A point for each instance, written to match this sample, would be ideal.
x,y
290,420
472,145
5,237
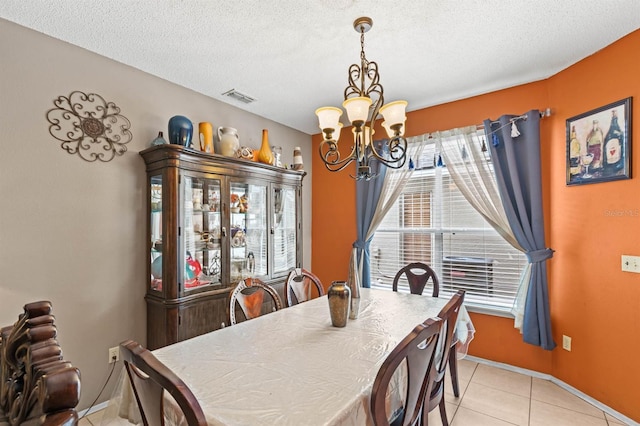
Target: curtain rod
x,y
545,113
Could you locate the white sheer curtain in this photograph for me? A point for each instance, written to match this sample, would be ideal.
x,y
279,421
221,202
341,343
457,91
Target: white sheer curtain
x,y
394,183
463,154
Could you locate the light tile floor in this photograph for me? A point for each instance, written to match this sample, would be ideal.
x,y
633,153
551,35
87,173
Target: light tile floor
x,y
491,396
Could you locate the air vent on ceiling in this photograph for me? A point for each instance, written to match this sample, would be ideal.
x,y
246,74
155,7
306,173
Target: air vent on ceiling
x,y
233,93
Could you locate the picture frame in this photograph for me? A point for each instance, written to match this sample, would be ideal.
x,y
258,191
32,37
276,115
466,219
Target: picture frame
x,y
599,144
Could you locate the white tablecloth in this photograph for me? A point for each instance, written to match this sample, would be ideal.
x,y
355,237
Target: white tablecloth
x,y
292,367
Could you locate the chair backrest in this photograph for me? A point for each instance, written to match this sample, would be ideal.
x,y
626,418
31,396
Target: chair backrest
x,y
416,352
301,285
449,315
149,379
249,297
417,275
37,386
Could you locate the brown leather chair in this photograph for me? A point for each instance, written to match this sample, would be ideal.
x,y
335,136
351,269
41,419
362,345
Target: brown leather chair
x,y
248,299
449,315
417,275
150,379
301,285
416,351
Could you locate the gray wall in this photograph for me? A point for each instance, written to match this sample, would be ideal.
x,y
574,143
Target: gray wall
x,y
73,232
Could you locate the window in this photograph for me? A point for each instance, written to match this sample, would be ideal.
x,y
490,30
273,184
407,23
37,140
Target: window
x,y
432,222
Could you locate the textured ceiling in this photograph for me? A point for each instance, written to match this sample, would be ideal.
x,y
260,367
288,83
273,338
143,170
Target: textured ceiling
x,y
292,56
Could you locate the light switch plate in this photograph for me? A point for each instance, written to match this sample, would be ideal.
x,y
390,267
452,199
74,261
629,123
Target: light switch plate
x,y
631,263
566,343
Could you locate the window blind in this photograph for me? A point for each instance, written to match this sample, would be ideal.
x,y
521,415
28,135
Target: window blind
x,y
432,222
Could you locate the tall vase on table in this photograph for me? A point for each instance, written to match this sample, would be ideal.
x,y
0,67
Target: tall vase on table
x,y
339,296
353,282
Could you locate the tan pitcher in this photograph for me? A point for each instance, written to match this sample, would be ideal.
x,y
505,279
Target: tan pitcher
x,y
229,141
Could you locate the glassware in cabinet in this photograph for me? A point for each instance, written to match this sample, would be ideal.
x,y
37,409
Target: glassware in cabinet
x,y
201,232
155,232
248,225
285,224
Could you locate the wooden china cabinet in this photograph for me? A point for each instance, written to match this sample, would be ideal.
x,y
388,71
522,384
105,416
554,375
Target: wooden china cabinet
x,y
213,221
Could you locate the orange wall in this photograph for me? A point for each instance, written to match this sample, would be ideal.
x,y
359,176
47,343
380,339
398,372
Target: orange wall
x,y
591,299
594,302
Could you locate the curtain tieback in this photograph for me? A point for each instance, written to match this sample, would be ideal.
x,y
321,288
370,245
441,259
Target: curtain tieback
x,y
362,245
539,255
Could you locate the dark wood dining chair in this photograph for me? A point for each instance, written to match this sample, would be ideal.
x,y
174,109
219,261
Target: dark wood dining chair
x,y
248,299
449,315
37,385
418,275
149,379
416,353
302,285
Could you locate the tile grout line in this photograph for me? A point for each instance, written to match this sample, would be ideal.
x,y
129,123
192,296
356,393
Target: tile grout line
x,y
530,398
534,374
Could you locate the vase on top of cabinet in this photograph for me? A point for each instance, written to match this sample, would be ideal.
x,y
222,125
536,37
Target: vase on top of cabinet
x,y
213,221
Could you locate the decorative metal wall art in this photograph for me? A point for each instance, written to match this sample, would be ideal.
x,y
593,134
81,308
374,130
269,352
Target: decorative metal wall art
x,y
89,126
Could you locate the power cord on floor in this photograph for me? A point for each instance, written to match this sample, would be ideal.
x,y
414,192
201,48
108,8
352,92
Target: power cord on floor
x,y
113,367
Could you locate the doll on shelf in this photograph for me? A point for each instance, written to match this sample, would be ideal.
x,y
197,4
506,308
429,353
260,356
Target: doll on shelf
x,y
235,200
244,204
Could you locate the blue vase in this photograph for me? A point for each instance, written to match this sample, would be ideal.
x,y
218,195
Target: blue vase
x,y
180,130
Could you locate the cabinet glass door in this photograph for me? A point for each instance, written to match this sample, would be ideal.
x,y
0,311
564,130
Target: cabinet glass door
x,y
284,229
155,230
201,230
248,231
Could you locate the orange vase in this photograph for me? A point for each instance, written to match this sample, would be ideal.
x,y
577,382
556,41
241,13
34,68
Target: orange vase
x,y
265,155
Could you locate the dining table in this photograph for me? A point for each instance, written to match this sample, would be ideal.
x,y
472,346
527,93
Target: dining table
x,y
292,367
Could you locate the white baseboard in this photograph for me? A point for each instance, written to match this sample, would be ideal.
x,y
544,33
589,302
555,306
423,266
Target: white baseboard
x,y
558,382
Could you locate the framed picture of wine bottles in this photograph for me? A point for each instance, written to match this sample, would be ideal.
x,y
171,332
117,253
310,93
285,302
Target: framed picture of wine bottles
x,y
599,144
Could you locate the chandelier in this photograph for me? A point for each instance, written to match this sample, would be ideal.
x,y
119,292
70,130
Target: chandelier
x,y
363,101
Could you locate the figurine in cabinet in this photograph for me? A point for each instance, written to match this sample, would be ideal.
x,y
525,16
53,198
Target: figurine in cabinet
x,y
192,271
244,204
235,200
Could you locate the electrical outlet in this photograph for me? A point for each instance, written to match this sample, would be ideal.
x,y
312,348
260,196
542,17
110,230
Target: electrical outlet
x,y
114,354
631,263
566,343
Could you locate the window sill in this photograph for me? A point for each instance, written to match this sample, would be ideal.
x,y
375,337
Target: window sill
x,y
488,310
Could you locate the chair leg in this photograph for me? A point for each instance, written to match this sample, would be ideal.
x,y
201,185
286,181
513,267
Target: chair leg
x,y
453,368
443,412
